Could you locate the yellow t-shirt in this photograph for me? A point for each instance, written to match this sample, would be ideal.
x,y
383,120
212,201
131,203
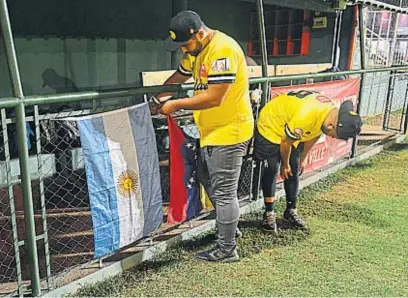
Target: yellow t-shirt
x,y
297,115
222,61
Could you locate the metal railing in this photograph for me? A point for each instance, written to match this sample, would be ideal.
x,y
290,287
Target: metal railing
x,y
29,226
61,208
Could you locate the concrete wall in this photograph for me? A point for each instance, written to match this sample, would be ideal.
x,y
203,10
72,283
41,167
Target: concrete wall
x,y
106,45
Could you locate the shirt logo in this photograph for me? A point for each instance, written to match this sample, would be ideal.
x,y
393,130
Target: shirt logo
x,y
203,71
299,132
200,87
221,65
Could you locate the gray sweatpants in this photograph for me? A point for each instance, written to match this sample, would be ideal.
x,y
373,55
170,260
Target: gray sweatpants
x,y
219,169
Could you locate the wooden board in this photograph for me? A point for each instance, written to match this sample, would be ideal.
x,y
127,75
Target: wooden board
x,y
256,71
301,68
154,78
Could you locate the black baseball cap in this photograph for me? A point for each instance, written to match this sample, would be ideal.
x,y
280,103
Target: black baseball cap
x,y
182,28
349,122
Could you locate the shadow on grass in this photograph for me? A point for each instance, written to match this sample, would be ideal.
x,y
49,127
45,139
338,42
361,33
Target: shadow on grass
x,y
256,240
398,147
115,285
362,165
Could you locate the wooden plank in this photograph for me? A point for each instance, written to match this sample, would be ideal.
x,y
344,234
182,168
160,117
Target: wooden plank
x,y
256,71
301,68
154,78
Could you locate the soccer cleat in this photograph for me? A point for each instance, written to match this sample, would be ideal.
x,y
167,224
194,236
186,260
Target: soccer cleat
x,y
293,217
269,222
218,254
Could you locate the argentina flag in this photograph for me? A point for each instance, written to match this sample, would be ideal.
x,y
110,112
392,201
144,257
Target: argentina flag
x,y
122,171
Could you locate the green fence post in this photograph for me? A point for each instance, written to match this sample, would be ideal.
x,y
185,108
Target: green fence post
x,y
264,52
363,67
256,171
30,233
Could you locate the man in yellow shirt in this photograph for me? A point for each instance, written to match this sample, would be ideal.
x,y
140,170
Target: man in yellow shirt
x,y
222,113
288,127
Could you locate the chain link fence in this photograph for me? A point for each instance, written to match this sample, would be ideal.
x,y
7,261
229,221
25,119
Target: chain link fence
x,y
11,218
60,195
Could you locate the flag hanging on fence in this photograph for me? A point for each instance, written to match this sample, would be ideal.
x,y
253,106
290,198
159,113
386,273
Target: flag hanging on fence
x,y
122,170
185,200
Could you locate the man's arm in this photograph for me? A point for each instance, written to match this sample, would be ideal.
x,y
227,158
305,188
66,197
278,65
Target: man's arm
x,y
212,98
307,146
285,150
176,78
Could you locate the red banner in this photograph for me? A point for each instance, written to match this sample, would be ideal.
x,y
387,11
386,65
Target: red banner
x,y
327,149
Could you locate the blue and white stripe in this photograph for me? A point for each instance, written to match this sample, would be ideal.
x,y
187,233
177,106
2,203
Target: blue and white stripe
x,y
115,144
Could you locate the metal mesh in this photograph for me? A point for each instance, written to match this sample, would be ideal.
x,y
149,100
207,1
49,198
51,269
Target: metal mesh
x,y
61,182
396,106
400,3
62,175
384,93
65,192
386,39
8,263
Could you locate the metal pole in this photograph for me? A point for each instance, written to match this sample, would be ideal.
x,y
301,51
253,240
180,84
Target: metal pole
x,y
363,66
404,118
334,45
264,52
394,41
388,100
256,174
31,244
42,199
338,52
32,100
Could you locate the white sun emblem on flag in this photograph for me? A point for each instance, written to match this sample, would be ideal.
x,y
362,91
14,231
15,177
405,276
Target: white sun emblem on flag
x,y
128,183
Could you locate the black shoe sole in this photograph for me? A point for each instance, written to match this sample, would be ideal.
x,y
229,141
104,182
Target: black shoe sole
x,y
275,231
294,225
225,260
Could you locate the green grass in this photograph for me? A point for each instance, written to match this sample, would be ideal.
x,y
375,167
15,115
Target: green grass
x,y
356,245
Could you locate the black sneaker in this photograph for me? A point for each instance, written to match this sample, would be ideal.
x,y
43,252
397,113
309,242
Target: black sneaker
x,y
293,217
269,222
217,254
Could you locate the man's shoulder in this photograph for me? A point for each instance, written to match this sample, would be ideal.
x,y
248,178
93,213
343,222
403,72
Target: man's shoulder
x,y
227,44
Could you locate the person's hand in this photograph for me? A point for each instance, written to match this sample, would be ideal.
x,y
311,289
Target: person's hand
x,y
286,171
154,105
154,108
169,107
303,164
